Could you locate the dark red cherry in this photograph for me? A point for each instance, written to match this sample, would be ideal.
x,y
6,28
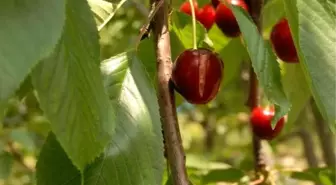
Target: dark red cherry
x,y
215,3
226,20
261,123
282,42
206,15
197,74
186,8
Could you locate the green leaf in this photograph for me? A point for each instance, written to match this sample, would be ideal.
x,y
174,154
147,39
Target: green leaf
x,y
6,163
264,63
101,10
312,24
28,33
135,153
219,40
304,176
324,176
182,26
54,167
71,91
296,89
223,175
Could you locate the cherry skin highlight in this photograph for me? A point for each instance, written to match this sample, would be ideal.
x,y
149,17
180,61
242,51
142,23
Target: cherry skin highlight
x,y
225,19
186,8
283,43
197,74
206,15
261,123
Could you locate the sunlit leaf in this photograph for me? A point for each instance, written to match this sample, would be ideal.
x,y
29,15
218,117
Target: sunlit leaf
x,y
312,24
71,91
135,153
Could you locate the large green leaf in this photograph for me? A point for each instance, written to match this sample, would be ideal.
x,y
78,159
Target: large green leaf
x,y
54,167
296,89
29,32
264,63
312,24
135,153
71,91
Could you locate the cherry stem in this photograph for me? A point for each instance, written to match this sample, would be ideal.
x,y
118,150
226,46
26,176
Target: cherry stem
x,y
193,15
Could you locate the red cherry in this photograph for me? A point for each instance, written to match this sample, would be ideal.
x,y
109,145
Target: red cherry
x,y
261,123
283,43
215,3
206,15
226,20
186,8
197,75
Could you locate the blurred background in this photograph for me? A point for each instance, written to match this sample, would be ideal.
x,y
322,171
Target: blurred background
x,y
214,135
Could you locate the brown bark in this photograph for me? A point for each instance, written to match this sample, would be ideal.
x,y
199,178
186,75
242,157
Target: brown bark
x,y
308,147
253,100
210,132
326,138
166,99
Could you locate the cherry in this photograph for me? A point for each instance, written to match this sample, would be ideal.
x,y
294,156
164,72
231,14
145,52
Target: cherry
x,y
226,20
186,8
215,3
283,43
206,15
197,74
261,123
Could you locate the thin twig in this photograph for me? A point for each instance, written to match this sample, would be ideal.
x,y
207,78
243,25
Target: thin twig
x,y
166,99
18,156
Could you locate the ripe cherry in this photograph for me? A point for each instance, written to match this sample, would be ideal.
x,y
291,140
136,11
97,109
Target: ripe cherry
x,y
186,8
206,15
226,20
197,75
215,3
283,43
261,123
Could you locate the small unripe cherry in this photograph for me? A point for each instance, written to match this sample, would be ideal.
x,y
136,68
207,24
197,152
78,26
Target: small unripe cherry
x,y
206,15
282,42
226,20
197,75
261,119
186,8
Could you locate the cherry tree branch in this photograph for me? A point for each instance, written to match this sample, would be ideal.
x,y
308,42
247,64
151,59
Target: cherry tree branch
x,y
166,99
253,100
